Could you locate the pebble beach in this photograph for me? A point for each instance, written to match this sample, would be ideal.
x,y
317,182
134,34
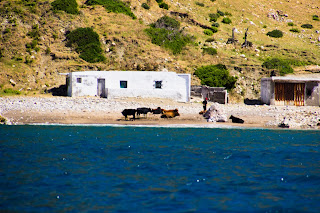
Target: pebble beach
x,y
94,110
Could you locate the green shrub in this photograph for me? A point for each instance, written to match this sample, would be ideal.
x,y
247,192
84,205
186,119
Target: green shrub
x,y
214,29
210,51
275,33
54,36
87,43
165,33
210,40
297,63
69,6
226,20
291,24
145,6
315,18
48,51
227,14
208,32
28,60
264,26
278,64
7,30
214,17
11,91
159,1
308,26
167,23
200,4
216,24
34,33
115,6
93,53
173,41
18,58
220,13
295,30
216,76
164,6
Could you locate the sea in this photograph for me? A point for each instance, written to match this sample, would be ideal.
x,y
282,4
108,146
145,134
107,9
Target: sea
x,y
92,168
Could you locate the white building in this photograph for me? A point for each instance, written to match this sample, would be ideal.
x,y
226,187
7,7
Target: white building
x,y
116,84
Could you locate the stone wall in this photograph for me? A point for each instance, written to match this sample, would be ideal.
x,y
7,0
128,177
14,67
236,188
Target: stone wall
x,y
214,94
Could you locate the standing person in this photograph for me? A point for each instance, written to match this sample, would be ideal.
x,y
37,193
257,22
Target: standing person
x,y
205,104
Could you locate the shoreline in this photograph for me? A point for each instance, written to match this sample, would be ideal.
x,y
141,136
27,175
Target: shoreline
x,y
98,111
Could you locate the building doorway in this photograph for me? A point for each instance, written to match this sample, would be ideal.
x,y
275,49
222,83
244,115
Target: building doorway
x,y
289,94
102,88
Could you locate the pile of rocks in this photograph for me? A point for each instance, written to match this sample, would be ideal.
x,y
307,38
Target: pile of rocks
x,y
216,113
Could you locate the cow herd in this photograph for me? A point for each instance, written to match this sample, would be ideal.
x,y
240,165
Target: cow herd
x,y
144,111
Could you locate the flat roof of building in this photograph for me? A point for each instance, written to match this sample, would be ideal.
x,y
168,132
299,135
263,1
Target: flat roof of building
x,y
291,79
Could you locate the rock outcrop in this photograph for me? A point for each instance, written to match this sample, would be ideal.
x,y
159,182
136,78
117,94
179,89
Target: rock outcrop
x,y
215,113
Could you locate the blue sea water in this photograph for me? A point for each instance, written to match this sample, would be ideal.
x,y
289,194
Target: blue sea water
x,y
46,168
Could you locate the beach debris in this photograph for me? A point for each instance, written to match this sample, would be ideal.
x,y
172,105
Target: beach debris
x,y
4,120
215,113
283,125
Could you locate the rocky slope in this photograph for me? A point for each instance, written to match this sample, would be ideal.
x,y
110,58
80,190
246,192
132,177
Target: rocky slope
x,y
127,47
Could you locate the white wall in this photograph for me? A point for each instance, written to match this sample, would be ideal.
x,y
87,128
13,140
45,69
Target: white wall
x,y
265,90
140,84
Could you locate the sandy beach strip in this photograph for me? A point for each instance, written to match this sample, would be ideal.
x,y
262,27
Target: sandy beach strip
x,y
94,110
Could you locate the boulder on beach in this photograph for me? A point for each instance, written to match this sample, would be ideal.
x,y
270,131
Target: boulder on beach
x,y
215,113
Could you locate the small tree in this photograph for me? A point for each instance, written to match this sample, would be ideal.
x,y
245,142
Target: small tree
x,y
308,26
208,32
167,23
69,6
86,42
166,32
315,18
275,33
226,20
216,76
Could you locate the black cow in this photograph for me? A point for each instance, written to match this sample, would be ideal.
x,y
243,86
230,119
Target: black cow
x,y
236,120
127,112
143,110
157,111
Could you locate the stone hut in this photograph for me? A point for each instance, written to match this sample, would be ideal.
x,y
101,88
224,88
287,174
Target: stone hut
x,y
294,91
214,94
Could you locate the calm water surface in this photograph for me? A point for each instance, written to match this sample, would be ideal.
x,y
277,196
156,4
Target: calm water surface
x,y
145,169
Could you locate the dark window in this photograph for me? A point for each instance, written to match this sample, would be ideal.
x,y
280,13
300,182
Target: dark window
x,y
158,84
79,80
123,84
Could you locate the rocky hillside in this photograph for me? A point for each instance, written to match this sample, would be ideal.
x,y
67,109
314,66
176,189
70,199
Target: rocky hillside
x,y
33,47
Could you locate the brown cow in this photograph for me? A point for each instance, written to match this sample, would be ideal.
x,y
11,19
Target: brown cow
x,y
170,113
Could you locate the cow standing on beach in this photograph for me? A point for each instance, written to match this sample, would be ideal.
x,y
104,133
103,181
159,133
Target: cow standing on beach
x,y
143,110
170,113
157,111
127,112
